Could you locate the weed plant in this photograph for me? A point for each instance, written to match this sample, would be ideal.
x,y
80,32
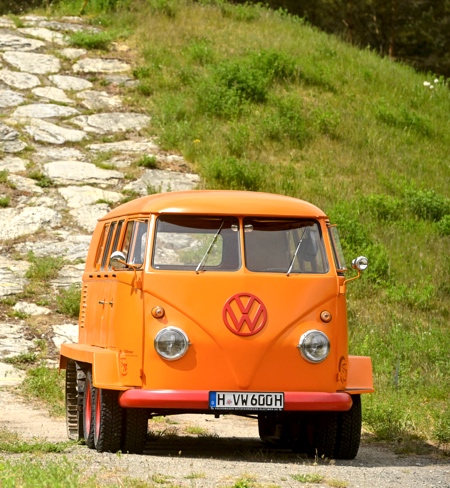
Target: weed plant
x,y
259,100
68,301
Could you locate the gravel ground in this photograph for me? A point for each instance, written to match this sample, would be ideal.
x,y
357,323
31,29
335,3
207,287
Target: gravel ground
x,y
230,451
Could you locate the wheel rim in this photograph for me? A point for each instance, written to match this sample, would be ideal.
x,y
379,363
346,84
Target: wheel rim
x,y
97,416
87,410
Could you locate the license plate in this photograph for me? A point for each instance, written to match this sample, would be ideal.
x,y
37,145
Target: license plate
x,y
238,400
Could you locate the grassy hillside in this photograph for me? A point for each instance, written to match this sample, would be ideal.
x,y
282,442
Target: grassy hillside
x,y
259,100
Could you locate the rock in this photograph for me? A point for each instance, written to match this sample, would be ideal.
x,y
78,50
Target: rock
x,y
44,111
44,154
125,146
13,164
87,217
100,65
72,172
8,23
9,140
9,98
10,42
65,244
12,277
44,131
12,340
158,180
65,333
21,81
70,82
72,53
52,93
111,122
69,275
24,184
78,196
95,100
9,375
33,63
65,26
44,34
18,222
31,308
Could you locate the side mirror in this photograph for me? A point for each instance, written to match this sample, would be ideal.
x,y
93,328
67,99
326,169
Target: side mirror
x,y
118,260
360,263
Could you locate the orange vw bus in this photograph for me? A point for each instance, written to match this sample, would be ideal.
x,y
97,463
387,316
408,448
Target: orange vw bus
x,y
219,302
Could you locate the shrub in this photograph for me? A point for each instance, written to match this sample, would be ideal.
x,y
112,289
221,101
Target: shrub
x,y
427,204
443,226
68,301
235,174
276,65
91,40
43,269
383,207
4,201
149,162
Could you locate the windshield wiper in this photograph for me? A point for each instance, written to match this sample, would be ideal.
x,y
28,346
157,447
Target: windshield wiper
x,y
200,264
295,253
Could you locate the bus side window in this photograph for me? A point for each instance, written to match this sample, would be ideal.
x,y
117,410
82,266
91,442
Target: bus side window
x,y
106,253
135,241
101,247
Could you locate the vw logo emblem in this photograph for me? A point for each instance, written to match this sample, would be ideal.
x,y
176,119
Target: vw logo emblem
x,y
244,314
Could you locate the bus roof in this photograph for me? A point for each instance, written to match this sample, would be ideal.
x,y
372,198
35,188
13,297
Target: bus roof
x,y
218,202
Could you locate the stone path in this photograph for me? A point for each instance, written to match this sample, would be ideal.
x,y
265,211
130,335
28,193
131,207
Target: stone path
x,y
68,151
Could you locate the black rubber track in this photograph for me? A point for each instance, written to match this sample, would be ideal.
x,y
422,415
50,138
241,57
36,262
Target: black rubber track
x,y
135,427
75,379
349,431
108,416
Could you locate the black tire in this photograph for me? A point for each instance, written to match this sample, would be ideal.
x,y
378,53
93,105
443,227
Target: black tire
x,y
349,431
75,379
322,431
135,427
88,411
267,427
107,420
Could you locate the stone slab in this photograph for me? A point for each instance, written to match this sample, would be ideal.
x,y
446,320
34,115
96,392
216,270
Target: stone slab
x,y
13,164
100,65
17,222
139,147
44,111
43,131
9,98
24,184
112,122
45,34
96,100
77,196
21,81
160,181
87,217
76,172
46,154
70,82
53,94
32,62
10,42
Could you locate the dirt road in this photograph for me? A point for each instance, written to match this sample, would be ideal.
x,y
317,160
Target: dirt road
x,y
200,451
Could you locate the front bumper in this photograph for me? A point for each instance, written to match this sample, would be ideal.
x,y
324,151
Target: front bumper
x,y
191,400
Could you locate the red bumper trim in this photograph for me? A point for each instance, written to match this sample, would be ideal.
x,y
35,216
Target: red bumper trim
x,y
198,400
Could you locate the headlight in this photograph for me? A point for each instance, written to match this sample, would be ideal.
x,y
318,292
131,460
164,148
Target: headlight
x,y
171,343
314,346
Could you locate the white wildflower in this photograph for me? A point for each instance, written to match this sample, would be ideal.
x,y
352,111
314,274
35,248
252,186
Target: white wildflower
x,y
436,80
426,83
431,87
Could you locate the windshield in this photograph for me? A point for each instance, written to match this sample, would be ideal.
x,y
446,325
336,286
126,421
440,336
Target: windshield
x,y
286,246
197,243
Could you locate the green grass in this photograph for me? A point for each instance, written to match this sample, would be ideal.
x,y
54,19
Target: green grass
x,y
10,442
259,100
47,385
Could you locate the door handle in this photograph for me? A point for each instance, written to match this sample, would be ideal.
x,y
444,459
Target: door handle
x,y
101,302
